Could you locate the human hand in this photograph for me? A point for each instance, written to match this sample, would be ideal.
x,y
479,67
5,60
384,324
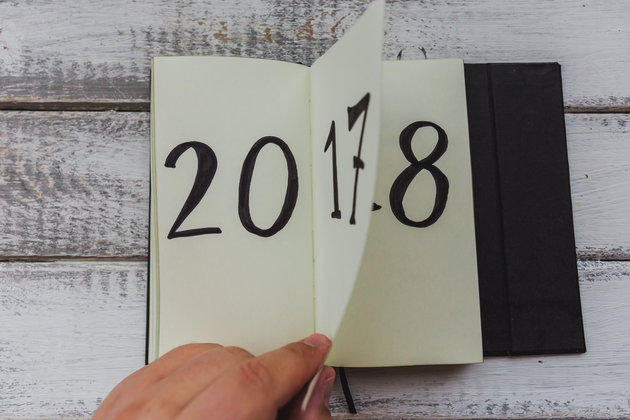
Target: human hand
x,y
200,381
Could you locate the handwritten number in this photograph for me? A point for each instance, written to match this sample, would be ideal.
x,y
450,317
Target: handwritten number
x,y
353,115
332,141
206,168
290,197
400,185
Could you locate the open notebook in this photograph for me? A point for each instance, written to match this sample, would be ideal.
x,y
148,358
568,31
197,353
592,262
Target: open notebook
x,y
287,200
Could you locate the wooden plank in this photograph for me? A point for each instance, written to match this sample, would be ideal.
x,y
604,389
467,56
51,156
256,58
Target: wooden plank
x,y
76,184
72,330
100,51
598,148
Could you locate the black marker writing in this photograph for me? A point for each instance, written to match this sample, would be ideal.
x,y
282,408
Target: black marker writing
x,y
353,114
332,141
290,197
400,185
206,168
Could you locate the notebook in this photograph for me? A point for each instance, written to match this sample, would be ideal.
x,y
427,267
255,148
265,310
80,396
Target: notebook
x,y
335,198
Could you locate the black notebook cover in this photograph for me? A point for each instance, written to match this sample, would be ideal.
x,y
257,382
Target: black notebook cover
x,y
530,302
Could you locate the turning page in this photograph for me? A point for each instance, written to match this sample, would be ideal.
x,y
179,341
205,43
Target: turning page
x,y
345,121
416,298
231,223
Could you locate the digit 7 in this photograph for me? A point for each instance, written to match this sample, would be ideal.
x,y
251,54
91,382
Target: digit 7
x,y
353,115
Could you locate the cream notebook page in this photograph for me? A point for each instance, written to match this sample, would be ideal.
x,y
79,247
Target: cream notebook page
x,y
345,106
232,287
238,286
416,298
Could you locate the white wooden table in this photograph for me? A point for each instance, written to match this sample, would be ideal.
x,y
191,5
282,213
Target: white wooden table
x,y
74,173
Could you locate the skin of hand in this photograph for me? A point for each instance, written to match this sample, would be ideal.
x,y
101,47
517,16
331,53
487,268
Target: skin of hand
x,y
209,381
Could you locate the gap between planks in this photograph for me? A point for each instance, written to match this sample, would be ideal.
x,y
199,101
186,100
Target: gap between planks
x,y
145,106
581,256
70,258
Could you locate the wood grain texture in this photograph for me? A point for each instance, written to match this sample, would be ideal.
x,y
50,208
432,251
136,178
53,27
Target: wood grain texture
x,y
74,184
72,330
61,51
599,165
77,184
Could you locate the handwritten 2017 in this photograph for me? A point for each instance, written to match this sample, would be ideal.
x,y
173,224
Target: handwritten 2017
x,y
207,164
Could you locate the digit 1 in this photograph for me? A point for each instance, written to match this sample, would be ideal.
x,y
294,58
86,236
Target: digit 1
x,y
332,140
353,115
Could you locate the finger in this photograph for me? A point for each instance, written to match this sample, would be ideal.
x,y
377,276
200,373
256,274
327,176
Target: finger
x,y
166,398
317,408
148,375
258,387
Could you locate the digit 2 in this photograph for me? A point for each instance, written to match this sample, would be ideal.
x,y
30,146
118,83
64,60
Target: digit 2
x,y
206,168
290,197
400,185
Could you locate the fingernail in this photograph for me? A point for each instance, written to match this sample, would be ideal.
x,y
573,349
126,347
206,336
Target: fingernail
x,y
320,391
327,383
312,386
317,340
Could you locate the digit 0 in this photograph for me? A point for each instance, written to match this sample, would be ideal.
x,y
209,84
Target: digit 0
x,y
290,197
